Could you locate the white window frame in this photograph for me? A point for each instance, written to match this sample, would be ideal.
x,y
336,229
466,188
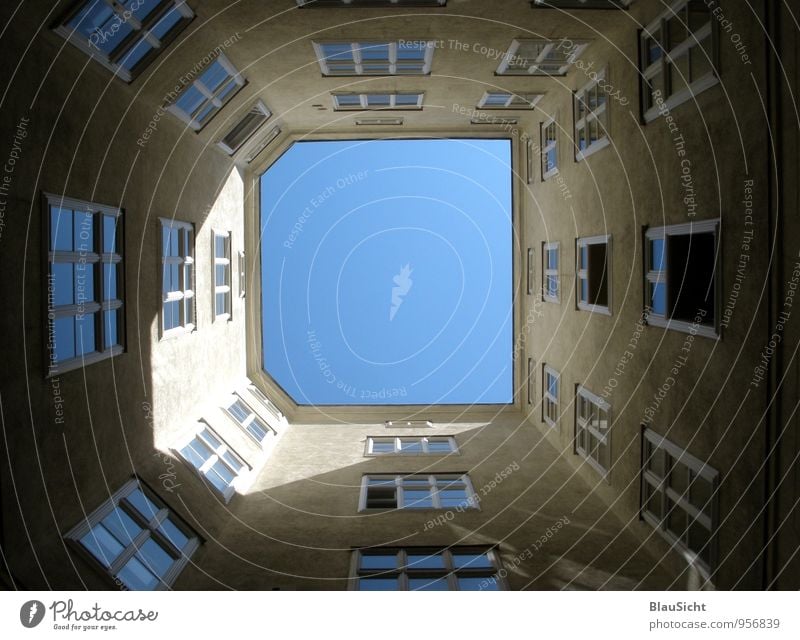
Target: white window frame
x,y
547,272
258,108
590,430
671,51
210,96
141,33
534,68
530,151
599,113
581,274
240,480
546,145
270,406
514,101
185,292
449,573
242,270
253,416
149,531
460,478
531,380
398,449
355,50
531,274
226,288
653,277
364,98
550,401
660,487
94,260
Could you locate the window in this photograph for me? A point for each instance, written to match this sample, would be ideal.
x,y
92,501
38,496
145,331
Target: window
x,y
249,420
594,274
375,58
136,539
242,275
592,425
388,101
85,283
550,388
678,56
426,569
411,445
506,100
371,3
549,147
125,35
591,118
551,289
529,283
243,130
222,275
540,57
216,463
262,144
268,404
680,497
177,258
417,491
208,93
530,152
681,276
531,379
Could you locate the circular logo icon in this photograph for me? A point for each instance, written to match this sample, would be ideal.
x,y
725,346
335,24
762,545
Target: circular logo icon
x,y
31,613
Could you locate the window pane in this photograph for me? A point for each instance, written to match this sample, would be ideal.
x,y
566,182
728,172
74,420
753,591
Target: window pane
x,y
122,526
63,283
478,584
102,544
196,452
110,337
136,577
155,557
84,232
214,76
383,446
381,497
172,315
375,51
220,476
258,429
166,23
439,446
60,229
109,285
84,334
135,55
190,100
406,99
239,411
425,561
221,271
100,25
658,298
454,498
221,303
428,584
410,446
172,533
110,234
143,504
65,338
417,499
84,283
692,261
472,560
378,584
379,561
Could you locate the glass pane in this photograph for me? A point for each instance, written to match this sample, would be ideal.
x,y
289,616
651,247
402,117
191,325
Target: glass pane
x,y
417,499
411,446
701,60
122,526
679,73
109,234
102,544
214,76
221,271
84,283
220,476
337,51
172,315
411,51
171,282
210,438
348,100
143,504
135,54
383,446
258,430
379,100
109,285
375,51
471,560
239,411
228,90
439,446
233,462
155,557
382,497
651,502
100,25
676,29
172,533
425,561
84,232
379,561
196,452
136,577
166,23
453,498
428,584
63,283
406,99
378,584
678,477
84,334
552,259
140,8
65,338
110,337
488,583
676,520
190,100
655,460
658,298
700,494
60,229
698,537
657,255
221,303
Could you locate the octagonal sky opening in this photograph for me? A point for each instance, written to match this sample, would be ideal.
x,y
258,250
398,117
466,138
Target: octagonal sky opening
x,y
386,272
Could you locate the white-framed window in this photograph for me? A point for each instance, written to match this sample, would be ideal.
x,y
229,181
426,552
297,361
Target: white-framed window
x,y
266,402
177,278
593,429
508,100
124,35
681,278
378,101
208,93
410,445
456,568
537,57
371,3
531,379
255,149
245,128
591,118
243,415
551,280
222,274
215,462
678,56
417,491
530,271
593,271
135,539
680,497
375,57
551,385
549,147
85,319
242,269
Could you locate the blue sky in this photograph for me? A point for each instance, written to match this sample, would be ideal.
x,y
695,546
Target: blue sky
x,y
386,272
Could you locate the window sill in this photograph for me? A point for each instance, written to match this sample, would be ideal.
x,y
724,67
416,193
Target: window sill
x,y
709,80
80,362
605,311
683,327
177,332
